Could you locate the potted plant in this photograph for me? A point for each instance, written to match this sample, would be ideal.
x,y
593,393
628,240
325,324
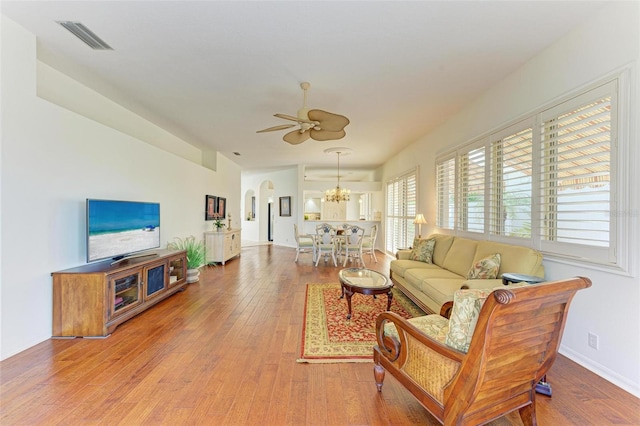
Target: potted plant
x,y
217,223
195,255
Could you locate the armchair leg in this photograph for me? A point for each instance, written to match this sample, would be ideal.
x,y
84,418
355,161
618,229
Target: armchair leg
x,y
528,414
378,373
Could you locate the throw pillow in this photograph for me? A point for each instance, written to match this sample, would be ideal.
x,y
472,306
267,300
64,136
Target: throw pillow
x,y
423,250
464,317
485,269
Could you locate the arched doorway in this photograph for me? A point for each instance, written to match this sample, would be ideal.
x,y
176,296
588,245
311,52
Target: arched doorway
x,y
266,211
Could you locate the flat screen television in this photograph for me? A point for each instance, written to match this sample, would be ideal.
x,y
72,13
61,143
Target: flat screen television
x,y
118,229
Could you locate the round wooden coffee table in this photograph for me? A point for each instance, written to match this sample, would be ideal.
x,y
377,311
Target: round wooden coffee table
x,y
364,281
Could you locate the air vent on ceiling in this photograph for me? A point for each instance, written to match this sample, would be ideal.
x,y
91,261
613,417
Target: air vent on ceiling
x,y
85,34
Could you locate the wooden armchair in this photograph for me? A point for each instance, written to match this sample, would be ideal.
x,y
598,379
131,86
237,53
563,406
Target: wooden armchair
x,y
513,345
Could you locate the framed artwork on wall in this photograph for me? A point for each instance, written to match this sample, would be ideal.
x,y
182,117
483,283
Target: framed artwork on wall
x,y
209,207
221,207
285,206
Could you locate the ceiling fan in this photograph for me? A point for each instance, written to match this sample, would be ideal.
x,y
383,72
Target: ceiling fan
x,y
313,123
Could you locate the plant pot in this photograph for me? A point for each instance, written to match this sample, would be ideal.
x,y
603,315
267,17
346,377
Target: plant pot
x,y
193,275
220,229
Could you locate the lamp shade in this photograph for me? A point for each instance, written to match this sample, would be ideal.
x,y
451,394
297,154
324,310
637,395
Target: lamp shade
x,y
420,220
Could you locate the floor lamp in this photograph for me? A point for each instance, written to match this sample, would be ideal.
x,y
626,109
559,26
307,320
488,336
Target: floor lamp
x,y
419,220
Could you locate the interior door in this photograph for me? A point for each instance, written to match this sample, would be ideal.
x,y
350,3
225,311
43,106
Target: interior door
x,y
270,222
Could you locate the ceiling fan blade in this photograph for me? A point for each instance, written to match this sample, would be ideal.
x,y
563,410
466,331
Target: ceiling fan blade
x,y
328,120
325,135
274,128
295,137
287,117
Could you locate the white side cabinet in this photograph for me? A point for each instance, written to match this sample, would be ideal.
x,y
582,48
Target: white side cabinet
x,y
221,246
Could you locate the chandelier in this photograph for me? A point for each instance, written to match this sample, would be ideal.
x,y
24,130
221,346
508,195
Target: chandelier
x,y
337,194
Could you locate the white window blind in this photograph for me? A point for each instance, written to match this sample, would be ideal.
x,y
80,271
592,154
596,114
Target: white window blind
x,y
511,181
472,186
549,181
401,211
446,187
575,175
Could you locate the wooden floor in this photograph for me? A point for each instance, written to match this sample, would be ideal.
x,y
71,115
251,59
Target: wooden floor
x,y
224,352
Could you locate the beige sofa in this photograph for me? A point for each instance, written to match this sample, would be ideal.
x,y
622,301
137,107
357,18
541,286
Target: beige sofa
x,y
430,285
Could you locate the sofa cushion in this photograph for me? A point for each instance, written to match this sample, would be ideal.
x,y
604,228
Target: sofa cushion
x,y
485,268
516,259
423,250
400,267
433,326
460,256
443,245
441,290
464,316
418,276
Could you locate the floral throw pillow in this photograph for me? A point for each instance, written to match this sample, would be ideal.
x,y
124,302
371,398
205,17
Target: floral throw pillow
x,y
464,317
423,250
485,269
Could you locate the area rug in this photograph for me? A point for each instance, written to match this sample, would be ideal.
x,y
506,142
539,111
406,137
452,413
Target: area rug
x,y
328,336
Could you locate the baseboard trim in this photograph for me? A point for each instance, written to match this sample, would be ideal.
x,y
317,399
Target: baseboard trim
x,y
602,371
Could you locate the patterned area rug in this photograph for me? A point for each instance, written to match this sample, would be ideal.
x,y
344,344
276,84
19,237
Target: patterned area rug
x,y
328,336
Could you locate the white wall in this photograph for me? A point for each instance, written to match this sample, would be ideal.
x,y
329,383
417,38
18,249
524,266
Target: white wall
x,y
608,41
285,184
52,160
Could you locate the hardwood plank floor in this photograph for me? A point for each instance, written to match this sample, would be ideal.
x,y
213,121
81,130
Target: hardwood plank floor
x,y
224,352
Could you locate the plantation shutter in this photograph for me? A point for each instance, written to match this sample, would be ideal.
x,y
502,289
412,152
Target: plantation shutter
x,y
446,187
401,211
575,175
511,185
472,187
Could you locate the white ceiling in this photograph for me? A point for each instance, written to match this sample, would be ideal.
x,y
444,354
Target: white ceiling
x,y
214,72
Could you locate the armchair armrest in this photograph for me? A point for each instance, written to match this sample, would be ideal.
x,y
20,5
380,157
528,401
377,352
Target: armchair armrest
x,y
445,310
419,362
403,254
392,349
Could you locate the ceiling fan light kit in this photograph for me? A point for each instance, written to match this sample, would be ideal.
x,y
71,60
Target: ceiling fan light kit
x,y
316,124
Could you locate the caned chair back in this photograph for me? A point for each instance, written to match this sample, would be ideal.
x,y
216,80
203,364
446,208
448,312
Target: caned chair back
x,y
353,235
325,234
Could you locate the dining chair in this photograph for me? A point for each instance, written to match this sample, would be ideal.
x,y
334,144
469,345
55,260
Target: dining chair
x,y
304,243
351,244
369,243
325,243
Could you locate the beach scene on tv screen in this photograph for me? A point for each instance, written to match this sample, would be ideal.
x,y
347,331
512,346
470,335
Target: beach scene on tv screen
x,y
118,228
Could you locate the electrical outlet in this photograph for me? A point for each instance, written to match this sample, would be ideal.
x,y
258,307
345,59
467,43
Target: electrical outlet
x,y
593,341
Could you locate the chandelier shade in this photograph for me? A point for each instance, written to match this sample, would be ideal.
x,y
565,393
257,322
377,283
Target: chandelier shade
x,y
337,194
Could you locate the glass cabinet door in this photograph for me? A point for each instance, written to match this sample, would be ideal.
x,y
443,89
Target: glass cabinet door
x,y
177,270
125,292
155,279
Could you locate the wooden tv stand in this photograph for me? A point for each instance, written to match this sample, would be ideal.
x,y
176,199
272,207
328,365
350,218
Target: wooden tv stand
x,y
93,299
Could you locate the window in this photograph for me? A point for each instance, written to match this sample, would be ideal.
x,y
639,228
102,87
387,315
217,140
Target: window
x,y
511,181
446,187
545,179
575,175
471,181
401,211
